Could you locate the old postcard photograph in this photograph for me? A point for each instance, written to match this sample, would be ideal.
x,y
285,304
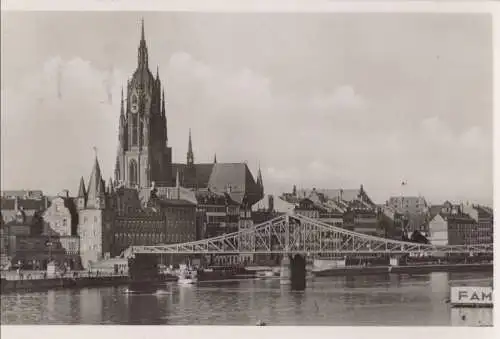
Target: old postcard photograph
x,y
249,168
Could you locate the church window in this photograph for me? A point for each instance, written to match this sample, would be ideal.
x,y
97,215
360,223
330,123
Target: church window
x,y
141,136
133,172
135,119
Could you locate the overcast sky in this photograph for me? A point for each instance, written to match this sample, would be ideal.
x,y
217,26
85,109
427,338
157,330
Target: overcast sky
x,y
320,100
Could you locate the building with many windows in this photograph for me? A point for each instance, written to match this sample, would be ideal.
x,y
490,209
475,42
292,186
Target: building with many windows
x,y
218,214
453,224
113,218
348,208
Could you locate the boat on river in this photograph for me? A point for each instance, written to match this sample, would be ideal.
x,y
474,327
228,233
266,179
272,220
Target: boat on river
x,y
187,276
220,273
142,287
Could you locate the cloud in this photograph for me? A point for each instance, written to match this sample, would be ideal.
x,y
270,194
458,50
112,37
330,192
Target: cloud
x,y
340,99
435,130
51,121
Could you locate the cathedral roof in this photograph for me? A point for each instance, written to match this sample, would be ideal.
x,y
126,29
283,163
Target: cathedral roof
x,y
201,174
233,178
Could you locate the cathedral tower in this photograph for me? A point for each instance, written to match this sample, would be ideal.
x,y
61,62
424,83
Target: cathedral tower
x,y
143,154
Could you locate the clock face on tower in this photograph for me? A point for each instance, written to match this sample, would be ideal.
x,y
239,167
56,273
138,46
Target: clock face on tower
x,y
134,103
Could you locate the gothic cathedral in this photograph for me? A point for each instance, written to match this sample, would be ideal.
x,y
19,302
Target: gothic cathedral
x,y
143,156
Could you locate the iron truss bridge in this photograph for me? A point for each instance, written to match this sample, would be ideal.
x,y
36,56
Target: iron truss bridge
x,y
299,234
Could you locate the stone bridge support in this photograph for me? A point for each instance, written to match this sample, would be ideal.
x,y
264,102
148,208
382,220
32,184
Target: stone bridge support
x,y
293,271
143,267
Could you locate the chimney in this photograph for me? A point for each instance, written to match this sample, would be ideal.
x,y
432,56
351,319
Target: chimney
x,y
270,199
46,201
16,203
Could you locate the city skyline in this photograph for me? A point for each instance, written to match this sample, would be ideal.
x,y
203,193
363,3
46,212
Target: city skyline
x,y
281,96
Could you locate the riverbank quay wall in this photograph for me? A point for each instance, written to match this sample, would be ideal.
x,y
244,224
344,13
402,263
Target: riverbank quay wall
x,y
42,285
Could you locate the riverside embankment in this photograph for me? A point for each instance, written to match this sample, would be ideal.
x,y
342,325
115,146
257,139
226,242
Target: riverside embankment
x,y
408,269
40,285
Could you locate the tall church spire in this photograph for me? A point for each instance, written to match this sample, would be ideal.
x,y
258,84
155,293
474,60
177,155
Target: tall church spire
x,y
190,155
143,49
142,30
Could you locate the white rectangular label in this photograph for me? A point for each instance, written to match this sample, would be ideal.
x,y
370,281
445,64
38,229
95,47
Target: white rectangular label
x,y
467,295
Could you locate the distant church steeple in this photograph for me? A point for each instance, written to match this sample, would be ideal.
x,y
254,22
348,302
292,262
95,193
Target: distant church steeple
x,y
190,155
260,182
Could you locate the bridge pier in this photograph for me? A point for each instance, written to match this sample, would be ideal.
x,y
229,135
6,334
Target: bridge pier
x,y
143,272
298,272
294,271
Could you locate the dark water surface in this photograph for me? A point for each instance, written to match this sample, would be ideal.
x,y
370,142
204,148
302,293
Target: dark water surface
x,y
395,300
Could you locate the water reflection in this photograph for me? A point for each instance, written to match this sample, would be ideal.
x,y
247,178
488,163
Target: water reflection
x,y
370,300
91,305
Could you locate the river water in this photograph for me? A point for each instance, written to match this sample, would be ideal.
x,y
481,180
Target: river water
x,y
395,300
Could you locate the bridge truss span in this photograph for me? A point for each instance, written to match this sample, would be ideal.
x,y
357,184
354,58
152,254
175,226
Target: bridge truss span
x,y
298,234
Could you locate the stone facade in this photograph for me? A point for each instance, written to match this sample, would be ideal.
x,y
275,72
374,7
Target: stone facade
x,y
61,218
453,224
143,155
